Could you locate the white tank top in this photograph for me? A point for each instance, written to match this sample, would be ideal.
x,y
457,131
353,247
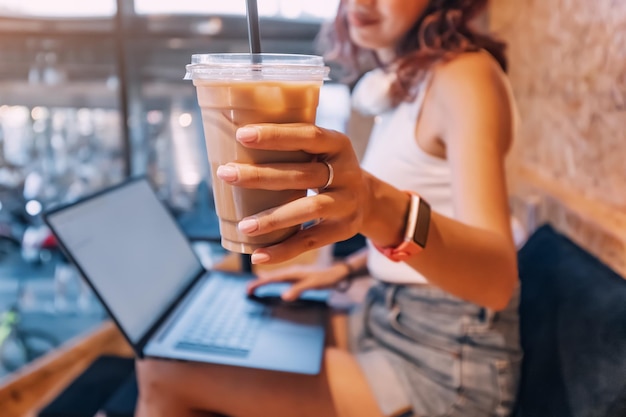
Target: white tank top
x,y
394,156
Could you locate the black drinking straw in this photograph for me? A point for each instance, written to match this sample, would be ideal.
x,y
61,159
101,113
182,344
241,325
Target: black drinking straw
x,y
254,39
254,36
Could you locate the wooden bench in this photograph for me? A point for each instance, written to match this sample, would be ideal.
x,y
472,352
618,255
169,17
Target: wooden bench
x,y
29,389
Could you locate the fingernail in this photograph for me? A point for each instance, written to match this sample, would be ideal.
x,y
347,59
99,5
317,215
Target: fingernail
x,y
259,258
227,173
288,296
248,225
247,134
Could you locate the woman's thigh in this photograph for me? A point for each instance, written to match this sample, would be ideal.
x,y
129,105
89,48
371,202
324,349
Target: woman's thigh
x,y
339,390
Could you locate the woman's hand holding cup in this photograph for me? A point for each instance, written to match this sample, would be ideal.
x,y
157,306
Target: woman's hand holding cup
x,y
336,212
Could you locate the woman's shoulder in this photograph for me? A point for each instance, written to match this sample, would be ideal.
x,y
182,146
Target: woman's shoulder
x,y
469,76
469,67
472,88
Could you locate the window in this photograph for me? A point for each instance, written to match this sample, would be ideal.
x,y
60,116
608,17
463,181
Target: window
x,y
58,8
288,9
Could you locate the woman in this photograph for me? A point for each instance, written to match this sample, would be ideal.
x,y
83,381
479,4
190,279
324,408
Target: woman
x,y
437,334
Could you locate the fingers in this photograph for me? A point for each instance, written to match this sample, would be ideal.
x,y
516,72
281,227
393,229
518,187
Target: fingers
x,y
303,278
338,210
299,287
281,275
295,213
291,137
282,176
305,240
289,273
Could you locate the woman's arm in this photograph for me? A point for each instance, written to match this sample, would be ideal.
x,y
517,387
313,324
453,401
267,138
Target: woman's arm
x,y
470,262
473,257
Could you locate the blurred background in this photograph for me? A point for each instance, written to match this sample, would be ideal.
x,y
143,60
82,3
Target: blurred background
x,y
93,92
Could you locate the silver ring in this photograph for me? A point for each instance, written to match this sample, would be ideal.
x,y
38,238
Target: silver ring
x,y
331,175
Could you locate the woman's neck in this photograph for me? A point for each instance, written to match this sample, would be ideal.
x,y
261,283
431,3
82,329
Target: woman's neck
x,y
386,56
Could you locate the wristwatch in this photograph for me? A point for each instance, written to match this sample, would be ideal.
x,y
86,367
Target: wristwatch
x,y
415,233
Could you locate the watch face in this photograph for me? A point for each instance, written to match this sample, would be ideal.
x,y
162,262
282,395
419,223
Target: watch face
x,y
411,221
422,225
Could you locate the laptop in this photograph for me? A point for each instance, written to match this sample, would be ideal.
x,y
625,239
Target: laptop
x,y
133,254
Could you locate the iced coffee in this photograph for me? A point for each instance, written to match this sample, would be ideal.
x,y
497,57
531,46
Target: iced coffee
x,y
280,89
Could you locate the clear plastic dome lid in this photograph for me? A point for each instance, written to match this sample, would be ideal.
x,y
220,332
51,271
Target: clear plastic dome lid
x,y
242,67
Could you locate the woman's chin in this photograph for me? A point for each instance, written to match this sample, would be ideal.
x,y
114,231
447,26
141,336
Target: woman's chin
x,y
366,40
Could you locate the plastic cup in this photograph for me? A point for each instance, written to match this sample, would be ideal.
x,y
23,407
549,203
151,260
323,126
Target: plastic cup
x,y
232,92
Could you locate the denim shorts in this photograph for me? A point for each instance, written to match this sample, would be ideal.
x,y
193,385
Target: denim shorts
x,y
426,353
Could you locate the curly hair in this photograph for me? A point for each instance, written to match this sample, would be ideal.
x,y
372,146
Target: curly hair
x,y
442,32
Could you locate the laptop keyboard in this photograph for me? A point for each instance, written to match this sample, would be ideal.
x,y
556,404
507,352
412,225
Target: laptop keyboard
x,y
228,324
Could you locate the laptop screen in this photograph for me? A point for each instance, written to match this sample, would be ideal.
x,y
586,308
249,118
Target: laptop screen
x,y
131,250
